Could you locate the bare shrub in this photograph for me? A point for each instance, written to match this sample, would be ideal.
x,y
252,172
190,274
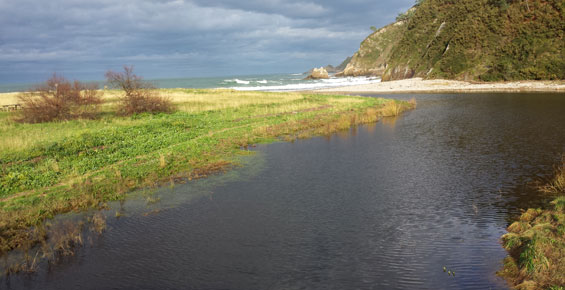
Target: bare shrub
x,y
140,96
58,99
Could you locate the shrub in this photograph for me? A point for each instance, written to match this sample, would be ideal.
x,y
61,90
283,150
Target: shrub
x,y
140,96
58,99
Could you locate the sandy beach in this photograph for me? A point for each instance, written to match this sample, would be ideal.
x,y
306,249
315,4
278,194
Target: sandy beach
x,y
415,85
418,85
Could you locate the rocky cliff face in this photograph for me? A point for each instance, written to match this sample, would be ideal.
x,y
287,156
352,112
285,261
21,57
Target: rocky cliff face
x,y
486,40
375,51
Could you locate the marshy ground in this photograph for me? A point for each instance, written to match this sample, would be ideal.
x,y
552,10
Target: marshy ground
x,y
58,167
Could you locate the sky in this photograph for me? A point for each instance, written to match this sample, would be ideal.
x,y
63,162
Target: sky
x,y
82,39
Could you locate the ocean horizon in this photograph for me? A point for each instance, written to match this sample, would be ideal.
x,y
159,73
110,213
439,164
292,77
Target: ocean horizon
x,y
264,82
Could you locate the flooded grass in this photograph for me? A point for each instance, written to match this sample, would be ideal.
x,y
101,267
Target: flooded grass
x,y
536,243
557,184
53,241
78,165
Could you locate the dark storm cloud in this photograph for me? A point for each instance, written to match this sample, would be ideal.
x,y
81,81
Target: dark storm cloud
x,y
165,38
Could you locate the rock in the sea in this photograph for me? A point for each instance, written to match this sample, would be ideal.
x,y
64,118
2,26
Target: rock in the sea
x,y
318,73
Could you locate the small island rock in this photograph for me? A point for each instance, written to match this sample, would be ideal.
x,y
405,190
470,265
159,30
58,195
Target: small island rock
x,y
318,73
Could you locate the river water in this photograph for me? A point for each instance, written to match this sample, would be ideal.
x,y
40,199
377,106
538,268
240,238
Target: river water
x,y
383,206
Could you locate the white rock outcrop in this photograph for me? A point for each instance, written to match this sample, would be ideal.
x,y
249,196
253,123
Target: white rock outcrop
x,y
318,73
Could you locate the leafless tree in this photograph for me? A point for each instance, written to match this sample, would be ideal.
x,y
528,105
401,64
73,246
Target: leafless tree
x,y
59,99
140,96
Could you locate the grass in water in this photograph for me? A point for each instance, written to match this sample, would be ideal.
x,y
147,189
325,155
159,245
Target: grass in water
x,y
558,183
58,167
536,243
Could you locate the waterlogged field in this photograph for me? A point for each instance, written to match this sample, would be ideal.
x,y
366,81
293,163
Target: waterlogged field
x,y
58,167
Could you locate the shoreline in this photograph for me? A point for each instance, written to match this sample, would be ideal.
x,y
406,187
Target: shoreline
x,y
419,85
83,164
535,242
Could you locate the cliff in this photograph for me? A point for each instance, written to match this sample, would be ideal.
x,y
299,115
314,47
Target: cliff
x,y
375,51
487,40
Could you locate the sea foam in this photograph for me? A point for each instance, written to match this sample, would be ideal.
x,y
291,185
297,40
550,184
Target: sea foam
x,y
313,84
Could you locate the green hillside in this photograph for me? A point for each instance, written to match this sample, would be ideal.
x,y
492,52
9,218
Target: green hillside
x,y
488,40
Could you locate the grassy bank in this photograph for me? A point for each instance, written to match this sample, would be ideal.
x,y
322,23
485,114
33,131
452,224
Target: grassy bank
x,y
58,167
536,243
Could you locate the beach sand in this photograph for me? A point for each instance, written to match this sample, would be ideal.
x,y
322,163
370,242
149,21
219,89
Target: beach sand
x,y
418,85
415,85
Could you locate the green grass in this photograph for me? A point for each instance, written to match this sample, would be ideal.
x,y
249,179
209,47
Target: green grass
x,y
52,168
536,244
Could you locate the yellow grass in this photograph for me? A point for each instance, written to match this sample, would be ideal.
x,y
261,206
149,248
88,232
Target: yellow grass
x,y
194,101
8,98
345,100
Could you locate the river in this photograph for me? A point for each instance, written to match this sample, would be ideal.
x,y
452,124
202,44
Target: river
x,y
382,206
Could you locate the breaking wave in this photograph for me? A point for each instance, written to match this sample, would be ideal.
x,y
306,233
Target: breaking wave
x,y
299,85
237,81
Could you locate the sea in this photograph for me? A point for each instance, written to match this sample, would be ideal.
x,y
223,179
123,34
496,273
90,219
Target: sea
x,y
269,82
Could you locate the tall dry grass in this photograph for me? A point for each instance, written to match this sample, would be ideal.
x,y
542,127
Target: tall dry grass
x,y
8,98
393,108
557,184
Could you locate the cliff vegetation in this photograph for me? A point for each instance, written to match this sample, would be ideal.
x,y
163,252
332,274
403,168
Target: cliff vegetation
x,y
484,40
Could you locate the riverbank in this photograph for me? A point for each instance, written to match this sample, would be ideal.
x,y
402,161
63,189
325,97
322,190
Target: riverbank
x,y
536,243
81,164
418,85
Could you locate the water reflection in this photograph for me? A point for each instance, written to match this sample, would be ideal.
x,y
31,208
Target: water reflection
x,y
382,206
390,122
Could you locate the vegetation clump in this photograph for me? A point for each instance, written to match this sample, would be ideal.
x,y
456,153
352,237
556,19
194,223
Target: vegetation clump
x,y
140,96
58,100
557,185
536,243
